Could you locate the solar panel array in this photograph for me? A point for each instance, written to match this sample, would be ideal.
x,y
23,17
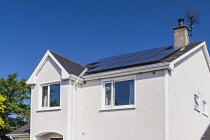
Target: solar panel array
x,y
131,59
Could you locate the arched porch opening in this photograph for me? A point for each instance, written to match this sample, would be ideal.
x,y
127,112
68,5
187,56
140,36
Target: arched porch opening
x,y
49,136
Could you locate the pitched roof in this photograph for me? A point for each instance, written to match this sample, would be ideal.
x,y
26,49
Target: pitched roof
x,y
70,66
206,135
22,130
152,56
177,54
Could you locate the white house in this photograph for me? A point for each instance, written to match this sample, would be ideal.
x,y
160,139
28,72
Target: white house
x,y
156,94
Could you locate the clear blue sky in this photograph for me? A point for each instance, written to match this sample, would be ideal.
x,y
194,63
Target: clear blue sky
x,y
87,30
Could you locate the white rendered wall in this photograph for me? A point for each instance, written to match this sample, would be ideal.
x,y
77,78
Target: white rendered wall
x,y
145,122
54,120
190,76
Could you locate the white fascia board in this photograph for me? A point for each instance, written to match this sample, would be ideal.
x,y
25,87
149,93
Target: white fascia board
x,y
75,78
206,54
205,51
32,78
128,71
64,73
84,71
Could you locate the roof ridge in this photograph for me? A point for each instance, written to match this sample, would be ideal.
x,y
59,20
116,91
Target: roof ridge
x,y
66,58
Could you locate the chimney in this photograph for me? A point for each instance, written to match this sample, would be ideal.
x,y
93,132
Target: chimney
x,y
181,37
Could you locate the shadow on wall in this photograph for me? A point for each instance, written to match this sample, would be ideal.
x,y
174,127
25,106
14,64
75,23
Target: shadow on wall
x,y
206,134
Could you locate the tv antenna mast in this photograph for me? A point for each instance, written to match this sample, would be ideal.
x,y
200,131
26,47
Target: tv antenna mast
x,y
193,18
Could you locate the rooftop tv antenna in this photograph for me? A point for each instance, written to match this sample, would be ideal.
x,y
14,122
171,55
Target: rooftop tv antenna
x,y
193,18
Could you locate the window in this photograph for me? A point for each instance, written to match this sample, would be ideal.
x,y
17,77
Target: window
x,y
119,93
196,101
205,107
51,95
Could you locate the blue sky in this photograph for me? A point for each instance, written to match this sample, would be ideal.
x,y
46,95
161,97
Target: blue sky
x,y
87,30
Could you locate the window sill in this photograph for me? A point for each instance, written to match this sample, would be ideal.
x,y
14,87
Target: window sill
x,y
118,108
197,109
49,109
205,114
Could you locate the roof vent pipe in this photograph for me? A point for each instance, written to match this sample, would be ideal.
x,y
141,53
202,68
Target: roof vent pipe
x,y
181,22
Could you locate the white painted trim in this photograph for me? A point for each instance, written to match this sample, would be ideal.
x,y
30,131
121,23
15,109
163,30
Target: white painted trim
x,y
48,108
197,108
129,71
75,78
205,51
47,132
73,108
24,136
186,54
166,92
123,107
84,71
119,78
31,111
64,73
204,111
68,111
32,78
206,54
18,135
49,82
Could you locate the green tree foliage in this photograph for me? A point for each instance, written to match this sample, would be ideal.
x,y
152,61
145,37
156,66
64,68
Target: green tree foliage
x,y
2,99
16,112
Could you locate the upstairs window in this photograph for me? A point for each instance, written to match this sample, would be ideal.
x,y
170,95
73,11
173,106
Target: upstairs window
x,y
119,93
51,95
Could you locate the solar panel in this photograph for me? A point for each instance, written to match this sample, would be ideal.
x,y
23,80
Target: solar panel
x,y
135,58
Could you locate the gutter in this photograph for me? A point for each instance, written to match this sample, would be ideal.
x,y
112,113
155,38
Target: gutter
x,y
18,135
75,78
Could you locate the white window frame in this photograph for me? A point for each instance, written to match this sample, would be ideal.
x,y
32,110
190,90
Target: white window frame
x,y
204,107
41,108
196,107
103,95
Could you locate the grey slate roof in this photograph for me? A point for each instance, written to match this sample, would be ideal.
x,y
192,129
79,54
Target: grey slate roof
x,y
70,66
22,130
152,56
206,134
175,55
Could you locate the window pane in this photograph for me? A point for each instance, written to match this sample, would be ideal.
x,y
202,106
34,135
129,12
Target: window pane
x,y
124,92
196,102
55,95
44,96
108,92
